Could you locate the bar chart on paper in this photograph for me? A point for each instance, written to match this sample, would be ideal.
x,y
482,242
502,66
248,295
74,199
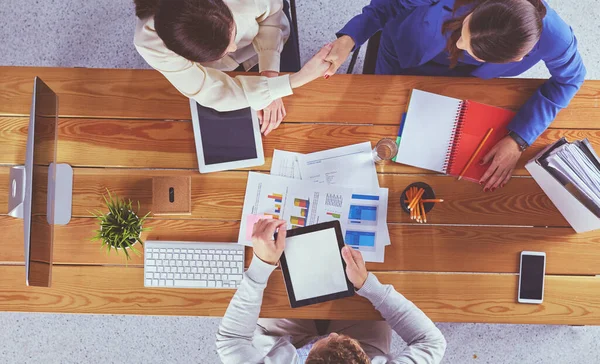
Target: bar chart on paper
x,y
277,200
301,206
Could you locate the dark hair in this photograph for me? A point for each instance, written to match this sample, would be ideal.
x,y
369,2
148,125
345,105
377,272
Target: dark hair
x,y
198,30
339,350
501,30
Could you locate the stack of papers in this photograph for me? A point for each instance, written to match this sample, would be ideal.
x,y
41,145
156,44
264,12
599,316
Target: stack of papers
x,y
576,164
337,184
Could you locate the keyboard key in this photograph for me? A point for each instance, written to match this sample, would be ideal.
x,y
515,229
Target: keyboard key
x,y
196,256
199,284
197,251
204,251
172,263
218,277
149,275
224,277
213,263
162,256
226,264
161,269
170,276
169,256
151,269
179,263
211,284
221,270
238,258
227,270
193,263
222,257
197,276
150,262
175,256
187,269
219,264
163,275
161,283
180,269
177,276
163,250
148,282
188,256
186,263
218,252
184,276
211,251
230,257
219,284
194,270
155,282
211,277
204,276
235,277
159,262
209,257
170,283
202,257
176,250
155,255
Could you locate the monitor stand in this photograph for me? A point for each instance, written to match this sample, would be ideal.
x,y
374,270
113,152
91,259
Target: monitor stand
x,y
60,190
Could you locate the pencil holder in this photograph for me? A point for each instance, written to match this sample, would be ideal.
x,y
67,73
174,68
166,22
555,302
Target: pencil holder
x,y
427,195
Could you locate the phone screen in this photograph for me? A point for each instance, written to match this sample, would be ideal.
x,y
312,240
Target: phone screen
x,y
532,277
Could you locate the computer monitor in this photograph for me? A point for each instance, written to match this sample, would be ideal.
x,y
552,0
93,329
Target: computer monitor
x,y
39,166
40,192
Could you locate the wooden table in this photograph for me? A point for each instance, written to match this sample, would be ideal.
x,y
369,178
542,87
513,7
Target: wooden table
x,y
119,128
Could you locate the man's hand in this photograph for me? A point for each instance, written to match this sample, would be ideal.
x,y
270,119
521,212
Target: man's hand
x,y
265,248
504,157
338,54
271,116
355,266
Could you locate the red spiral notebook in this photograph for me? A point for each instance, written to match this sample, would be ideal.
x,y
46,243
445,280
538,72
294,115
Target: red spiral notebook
x,y
441,133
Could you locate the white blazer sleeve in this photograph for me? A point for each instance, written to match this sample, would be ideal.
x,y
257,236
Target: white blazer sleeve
x,y
273,32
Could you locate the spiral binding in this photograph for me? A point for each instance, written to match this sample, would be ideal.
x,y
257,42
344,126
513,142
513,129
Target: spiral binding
x,y
456,135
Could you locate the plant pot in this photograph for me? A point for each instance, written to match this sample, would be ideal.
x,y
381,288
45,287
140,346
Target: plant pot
x,y
132,243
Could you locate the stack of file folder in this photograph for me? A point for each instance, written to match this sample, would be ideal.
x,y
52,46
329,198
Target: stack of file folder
x,y
569,173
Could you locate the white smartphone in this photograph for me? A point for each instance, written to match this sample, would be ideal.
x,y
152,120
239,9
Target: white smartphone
x,y
531,277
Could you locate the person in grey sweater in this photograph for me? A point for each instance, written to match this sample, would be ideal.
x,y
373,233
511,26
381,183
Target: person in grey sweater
x,y
244,338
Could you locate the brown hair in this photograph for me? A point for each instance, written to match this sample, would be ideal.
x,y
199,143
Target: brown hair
x,y
339,350
198,30
501,30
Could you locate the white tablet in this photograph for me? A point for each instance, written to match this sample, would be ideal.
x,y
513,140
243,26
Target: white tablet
x,y
226,140
312,265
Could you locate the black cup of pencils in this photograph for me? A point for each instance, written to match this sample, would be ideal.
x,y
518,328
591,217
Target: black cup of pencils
x,y
417,200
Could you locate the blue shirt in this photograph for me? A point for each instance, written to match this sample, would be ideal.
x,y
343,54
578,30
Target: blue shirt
x,y
412,43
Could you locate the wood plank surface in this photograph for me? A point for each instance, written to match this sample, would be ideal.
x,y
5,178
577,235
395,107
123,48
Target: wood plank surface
x,y
220,196
146,94
170,144
414,247
443,297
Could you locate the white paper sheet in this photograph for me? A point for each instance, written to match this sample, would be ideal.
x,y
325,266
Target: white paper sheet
x,y
314,275
286,164
304,203
350,166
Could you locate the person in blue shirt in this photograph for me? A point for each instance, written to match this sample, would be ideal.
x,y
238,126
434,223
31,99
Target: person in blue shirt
x,y
480,38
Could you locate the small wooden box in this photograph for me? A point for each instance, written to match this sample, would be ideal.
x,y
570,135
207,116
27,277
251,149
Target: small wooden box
x,y
172,195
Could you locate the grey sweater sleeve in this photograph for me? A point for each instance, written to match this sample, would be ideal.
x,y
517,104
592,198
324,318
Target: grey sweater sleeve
x,y
234,338
426,344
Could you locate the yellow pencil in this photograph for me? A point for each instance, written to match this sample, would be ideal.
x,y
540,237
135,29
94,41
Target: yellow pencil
x,y
423,212
416,198
485,138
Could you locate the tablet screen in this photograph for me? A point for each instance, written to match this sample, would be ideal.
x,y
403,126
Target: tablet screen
x,y
315,264
226,136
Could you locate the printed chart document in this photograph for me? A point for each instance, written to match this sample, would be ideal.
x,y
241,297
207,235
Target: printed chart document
x,y
350,166
302,203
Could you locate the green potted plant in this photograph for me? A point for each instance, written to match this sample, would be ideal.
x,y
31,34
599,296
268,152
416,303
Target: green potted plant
x,y
120,228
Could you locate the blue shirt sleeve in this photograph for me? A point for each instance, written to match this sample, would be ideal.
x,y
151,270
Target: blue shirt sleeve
x,y
374,17
568,72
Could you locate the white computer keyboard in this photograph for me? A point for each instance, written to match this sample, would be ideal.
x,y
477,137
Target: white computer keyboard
x,y
180,264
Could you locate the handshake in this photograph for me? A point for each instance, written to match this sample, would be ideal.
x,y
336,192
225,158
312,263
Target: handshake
x,y
325,63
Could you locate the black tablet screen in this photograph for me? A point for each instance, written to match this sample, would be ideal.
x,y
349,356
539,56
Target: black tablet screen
x,y
226,136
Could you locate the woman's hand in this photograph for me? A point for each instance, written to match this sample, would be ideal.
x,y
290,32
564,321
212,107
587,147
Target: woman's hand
x,y
504,157
265,248
314,68
355,266
271,116
339,53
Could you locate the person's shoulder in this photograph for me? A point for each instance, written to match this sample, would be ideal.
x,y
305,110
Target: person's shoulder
x,y
556,32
